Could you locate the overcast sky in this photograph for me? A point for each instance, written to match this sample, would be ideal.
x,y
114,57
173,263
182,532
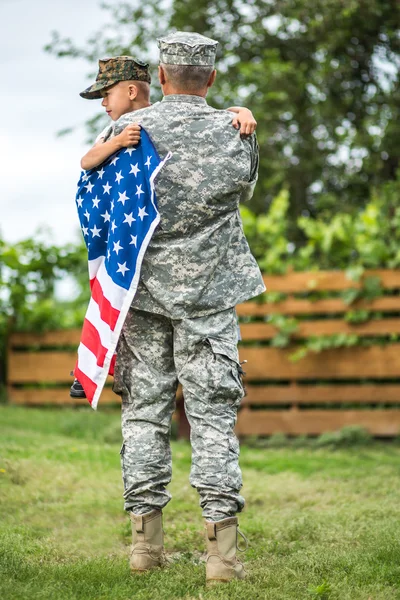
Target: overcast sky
x,y
40,96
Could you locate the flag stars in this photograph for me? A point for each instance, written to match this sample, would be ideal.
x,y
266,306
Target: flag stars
x,y
129,219
118,176
101,173
139,191
112,205
85,176
133,240
89,187
117,247
122,198
113,226
79,201
86,214
107,188
142,213
106,216
134,169
95,232
147,163
114,161
129,151
96,202
122,268
85,230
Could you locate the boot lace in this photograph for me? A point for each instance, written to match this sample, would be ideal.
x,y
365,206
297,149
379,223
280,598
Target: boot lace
x,y
246,541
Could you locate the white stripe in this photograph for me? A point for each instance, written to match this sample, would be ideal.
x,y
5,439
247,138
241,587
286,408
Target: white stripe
x,y
103,329
114,293
94,266
87,363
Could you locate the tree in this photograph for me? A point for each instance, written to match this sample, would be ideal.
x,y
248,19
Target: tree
x,y
322,79
29,271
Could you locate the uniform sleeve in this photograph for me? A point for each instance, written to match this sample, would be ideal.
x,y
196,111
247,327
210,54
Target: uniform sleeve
x,y
252,148
104,134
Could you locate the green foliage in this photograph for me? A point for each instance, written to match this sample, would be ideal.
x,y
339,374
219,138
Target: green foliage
x,y
286,326
357,316
368,238
352,435
321,592
319,343
347,437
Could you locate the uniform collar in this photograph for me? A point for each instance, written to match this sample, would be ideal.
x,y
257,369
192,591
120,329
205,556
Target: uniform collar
x,y
184,98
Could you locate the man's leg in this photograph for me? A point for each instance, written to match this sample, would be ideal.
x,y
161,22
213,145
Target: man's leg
x,y
207,365
146,381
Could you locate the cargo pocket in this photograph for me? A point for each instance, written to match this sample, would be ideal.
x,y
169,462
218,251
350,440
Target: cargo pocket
x,y
226,371
121,455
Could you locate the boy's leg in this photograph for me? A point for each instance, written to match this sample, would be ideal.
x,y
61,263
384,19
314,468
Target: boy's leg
x,y
207,365
146,381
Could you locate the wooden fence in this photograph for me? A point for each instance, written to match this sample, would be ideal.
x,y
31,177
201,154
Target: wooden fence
x,y
320,392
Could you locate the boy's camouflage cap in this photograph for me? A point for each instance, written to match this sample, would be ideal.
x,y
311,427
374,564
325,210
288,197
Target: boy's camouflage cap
x,y
113,70
187,48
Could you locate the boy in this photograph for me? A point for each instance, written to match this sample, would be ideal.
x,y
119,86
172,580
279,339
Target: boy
x,y
124,85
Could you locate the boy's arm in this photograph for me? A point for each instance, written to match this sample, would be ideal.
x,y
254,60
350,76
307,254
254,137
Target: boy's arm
x,y
244,118
130,136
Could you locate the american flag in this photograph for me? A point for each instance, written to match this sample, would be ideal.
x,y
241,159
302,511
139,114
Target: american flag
x,y
118,214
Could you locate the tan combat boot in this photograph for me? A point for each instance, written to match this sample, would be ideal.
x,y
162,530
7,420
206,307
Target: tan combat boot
x,y
221,562
147,541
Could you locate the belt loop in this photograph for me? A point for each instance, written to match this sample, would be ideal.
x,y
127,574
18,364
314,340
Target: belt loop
x,y
211,531
139,524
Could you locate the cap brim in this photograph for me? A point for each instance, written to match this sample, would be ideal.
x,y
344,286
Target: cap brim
x,y
93,92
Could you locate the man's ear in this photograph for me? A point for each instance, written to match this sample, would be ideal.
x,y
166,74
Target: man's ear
x,y
133,91
212,78
161,75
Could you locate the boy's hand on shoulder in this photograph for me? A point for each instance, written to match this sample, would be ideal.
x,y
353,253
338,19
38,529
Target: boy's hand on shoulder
x,y
243,119
130,136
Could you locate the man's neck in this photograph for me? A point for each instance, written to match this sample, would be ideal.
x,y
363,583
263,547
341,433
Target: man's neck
x,y
170,90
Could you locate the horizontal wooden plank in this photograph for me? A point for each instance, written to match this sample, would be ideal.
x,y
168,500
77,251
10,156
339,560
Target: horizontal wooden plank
x,y
55,396
294,282
384,423
297,306
266,331
322,394
46,367
265,363
60,397
62,337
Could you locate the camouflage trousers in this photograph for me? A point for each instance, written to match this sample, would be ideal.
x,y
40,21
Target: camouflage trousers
x,y
154,353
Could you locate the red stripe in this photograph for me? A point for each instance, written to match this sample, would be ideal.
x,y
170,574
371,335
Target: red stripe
x,y
112,365
88,385
91,339
108,313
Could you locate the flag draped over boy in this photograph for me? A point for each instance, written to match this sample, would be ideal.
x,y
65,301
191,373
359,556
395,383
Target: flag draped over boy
x,y
118,214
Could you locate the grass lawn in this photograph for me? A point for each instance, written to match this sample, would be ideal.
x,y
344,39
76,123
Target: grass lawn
x,y
323,523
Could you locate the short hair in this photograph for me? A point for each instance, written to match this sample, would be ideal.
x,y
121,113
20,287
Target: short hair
x,y
188,77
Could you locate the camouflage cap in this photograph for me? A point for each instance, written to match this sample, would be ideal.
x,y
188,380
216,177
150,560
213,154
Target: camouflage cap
x,y
113,70
187,48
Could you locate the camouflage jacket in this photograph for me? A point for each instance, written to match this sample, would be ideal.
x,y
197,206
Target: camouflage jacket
x,y
198,261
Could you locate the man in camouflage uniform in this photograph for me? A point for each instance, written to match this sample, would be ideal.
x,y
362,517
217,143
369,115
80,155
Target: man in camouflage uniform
x,y
182,324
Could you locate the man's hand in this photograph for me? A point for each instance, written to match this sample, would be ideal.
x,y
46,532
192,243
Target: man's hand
x,y
130,136
244,120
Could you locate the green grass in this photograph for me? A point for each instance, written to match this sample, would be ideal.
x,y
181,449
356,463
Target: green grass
x,y
322,523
